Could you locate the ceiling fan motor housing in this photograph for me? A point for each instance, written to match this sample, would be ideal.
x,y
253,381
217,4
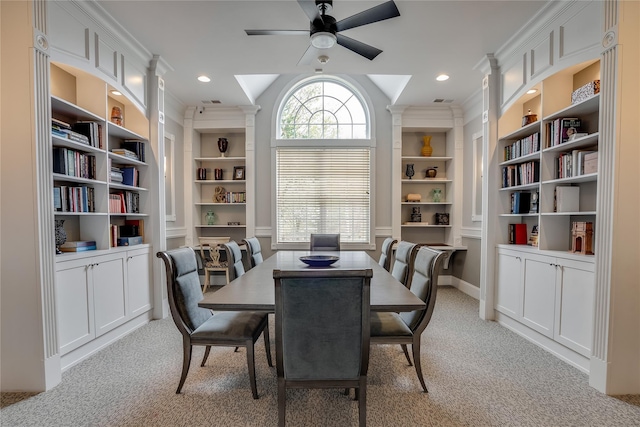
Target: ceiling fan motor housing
x,y
327,25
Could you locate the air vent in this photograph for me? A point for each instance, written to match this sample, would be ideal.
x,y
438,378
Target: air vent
x,y
443,101
211,101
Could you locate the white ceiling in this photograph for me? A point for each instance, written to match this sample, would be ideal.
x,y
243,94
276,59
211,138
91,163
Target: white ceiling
x,y
430,37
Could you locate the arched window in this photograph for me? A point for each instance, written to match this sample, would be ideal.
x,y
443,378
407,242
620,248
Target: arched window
x,y
323,108
323,154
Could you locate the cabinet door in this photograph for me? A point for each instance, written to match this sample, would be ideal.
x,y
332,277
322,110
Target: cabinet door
x,y
74,301
138,283
509,287
539,292
574,305
110,298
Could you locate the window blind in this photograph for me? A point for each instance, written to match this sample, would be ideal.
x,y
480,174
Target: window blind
x,y
323,190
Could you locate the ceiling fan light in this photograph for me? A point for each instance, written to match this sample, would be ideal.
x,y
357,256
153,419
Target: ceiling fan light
x,y
323,40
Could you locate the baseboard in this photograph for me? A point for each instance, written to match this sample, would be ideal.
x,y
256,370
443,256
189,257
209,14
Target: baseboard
x,y
461,285
81,353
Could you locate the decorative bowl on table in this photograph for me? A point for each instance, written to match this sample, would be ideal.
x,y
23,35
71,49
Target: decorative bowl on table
x,y
319,260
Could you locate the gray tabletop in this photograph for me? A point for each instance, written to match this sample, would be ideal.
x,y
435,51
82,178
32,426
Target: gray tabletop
x,y
255,289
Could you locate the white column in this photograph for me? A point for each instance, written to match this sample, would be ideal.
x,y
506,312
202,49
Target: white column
x,y
396,170
250,112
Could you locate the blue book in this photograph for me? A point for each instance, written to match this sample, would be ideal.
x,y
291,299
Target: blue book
x,y
129,241
78,248
130,176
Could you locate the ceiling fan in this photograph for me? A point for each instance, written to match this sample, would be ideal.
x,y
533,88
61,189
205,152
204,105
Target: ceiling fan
x,y
325,30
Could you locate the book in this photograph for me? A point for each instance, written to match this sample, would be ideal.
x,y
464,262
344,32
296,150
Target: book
x,y
130,176
137,226
567,199
518,234
78,248
590,163
129,241
521,202
78,243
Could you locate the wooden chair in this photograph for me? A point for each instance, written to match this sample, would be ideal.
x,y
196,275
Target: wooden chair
x,y
254,251
407,328
386,252
405,252
200,326
325,242
211,259
334,354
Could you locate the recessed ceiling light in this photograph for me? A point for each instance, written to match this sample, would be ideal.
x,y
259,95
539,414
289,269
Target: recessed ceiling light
x,y
116,93
204,79
442,77
530,91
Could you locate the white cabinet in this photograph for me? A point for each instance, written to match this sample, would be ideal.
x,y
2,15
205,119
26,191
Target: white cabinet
x,y
138,280
97,294
548,294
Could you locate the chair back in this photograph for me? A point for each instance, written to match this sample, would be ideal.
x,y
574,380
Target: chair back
x,y
404,252
423,282
234,256
322,324
385,253
325,242
254,251
210,248
183,289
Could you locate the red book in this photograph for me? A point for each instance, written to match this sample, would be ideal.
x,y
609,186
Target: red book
x,y
521,234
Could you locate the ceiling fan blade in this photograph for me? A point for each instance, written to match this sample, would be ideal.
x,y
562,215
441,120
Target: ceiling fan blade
x,y
277,32
360,48
310,9
310,54
377,13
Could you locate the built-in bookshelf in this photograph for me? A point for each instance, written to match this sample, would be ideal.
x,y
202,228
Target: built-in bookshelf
x,y
540,159
98,188
220,194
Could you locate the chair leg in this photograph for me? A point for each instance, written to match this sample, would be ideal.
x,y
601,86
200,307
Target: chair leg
x,y
415,347
282,402
267,344
252,368
362,401
206,355
406,353
186,361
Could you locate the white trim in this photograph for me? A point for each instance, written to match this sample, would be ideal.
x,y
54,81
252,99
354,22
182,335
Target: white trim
x,y
171,214
471,232
476,144
465,287
175,233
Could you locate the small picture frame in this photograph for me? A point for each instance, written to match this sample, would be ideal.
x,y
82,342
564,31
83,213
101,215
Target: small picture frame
x,y
238,172
442,219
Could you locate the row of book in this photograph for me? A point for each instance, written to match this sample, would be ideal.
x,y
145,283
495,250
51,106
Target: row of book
x,y
129,234
84,132
562,130
124,202
132,149
127,175
73,163
74,199
235,197
523,202
521,174
523,147
576,163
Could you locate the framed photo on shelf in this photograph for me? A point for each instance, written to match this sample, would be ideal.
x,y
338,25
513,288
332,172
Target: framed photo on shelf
x,y
238,172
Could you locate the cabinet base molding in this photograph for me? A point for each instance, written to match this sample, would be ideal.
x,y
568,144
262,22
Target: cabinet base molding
x,y
561,352
81,353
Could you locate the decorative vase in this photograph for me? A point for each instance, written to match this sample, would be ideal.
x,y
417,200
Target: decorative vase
x,y
409,172
211,218
426,147
61,235
431,172
437,195
116,116
223,144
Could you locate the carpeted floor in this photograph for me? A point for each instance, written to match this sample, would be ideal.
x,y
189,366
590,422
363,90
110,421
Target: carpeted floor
x,y
478,374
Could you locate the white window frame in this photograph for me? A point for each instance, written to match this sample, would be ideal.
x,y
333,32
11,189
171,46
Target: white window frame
x,y
369,142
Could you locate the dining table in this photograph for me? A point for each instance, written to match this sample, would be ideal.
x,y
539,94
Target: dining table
x,y
255,290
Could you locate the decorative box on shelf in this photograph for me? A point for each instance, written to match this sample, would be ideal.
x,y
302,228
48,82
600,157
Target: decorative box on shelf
x,y
585,92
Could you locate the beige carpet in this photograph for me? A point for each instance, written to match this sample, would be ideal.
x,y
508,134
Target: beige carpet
x,y
478,374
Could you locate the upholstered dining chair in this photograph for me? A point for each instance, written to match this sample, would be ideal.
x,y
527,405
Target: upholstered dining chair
x,y
386,253
254,251
322,332
234,257
199,326
405,251
407,328
325,242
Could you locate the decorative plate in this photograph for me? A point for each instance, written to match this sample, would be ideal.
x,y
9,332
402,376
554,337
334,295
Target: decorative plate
x,y
319,260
